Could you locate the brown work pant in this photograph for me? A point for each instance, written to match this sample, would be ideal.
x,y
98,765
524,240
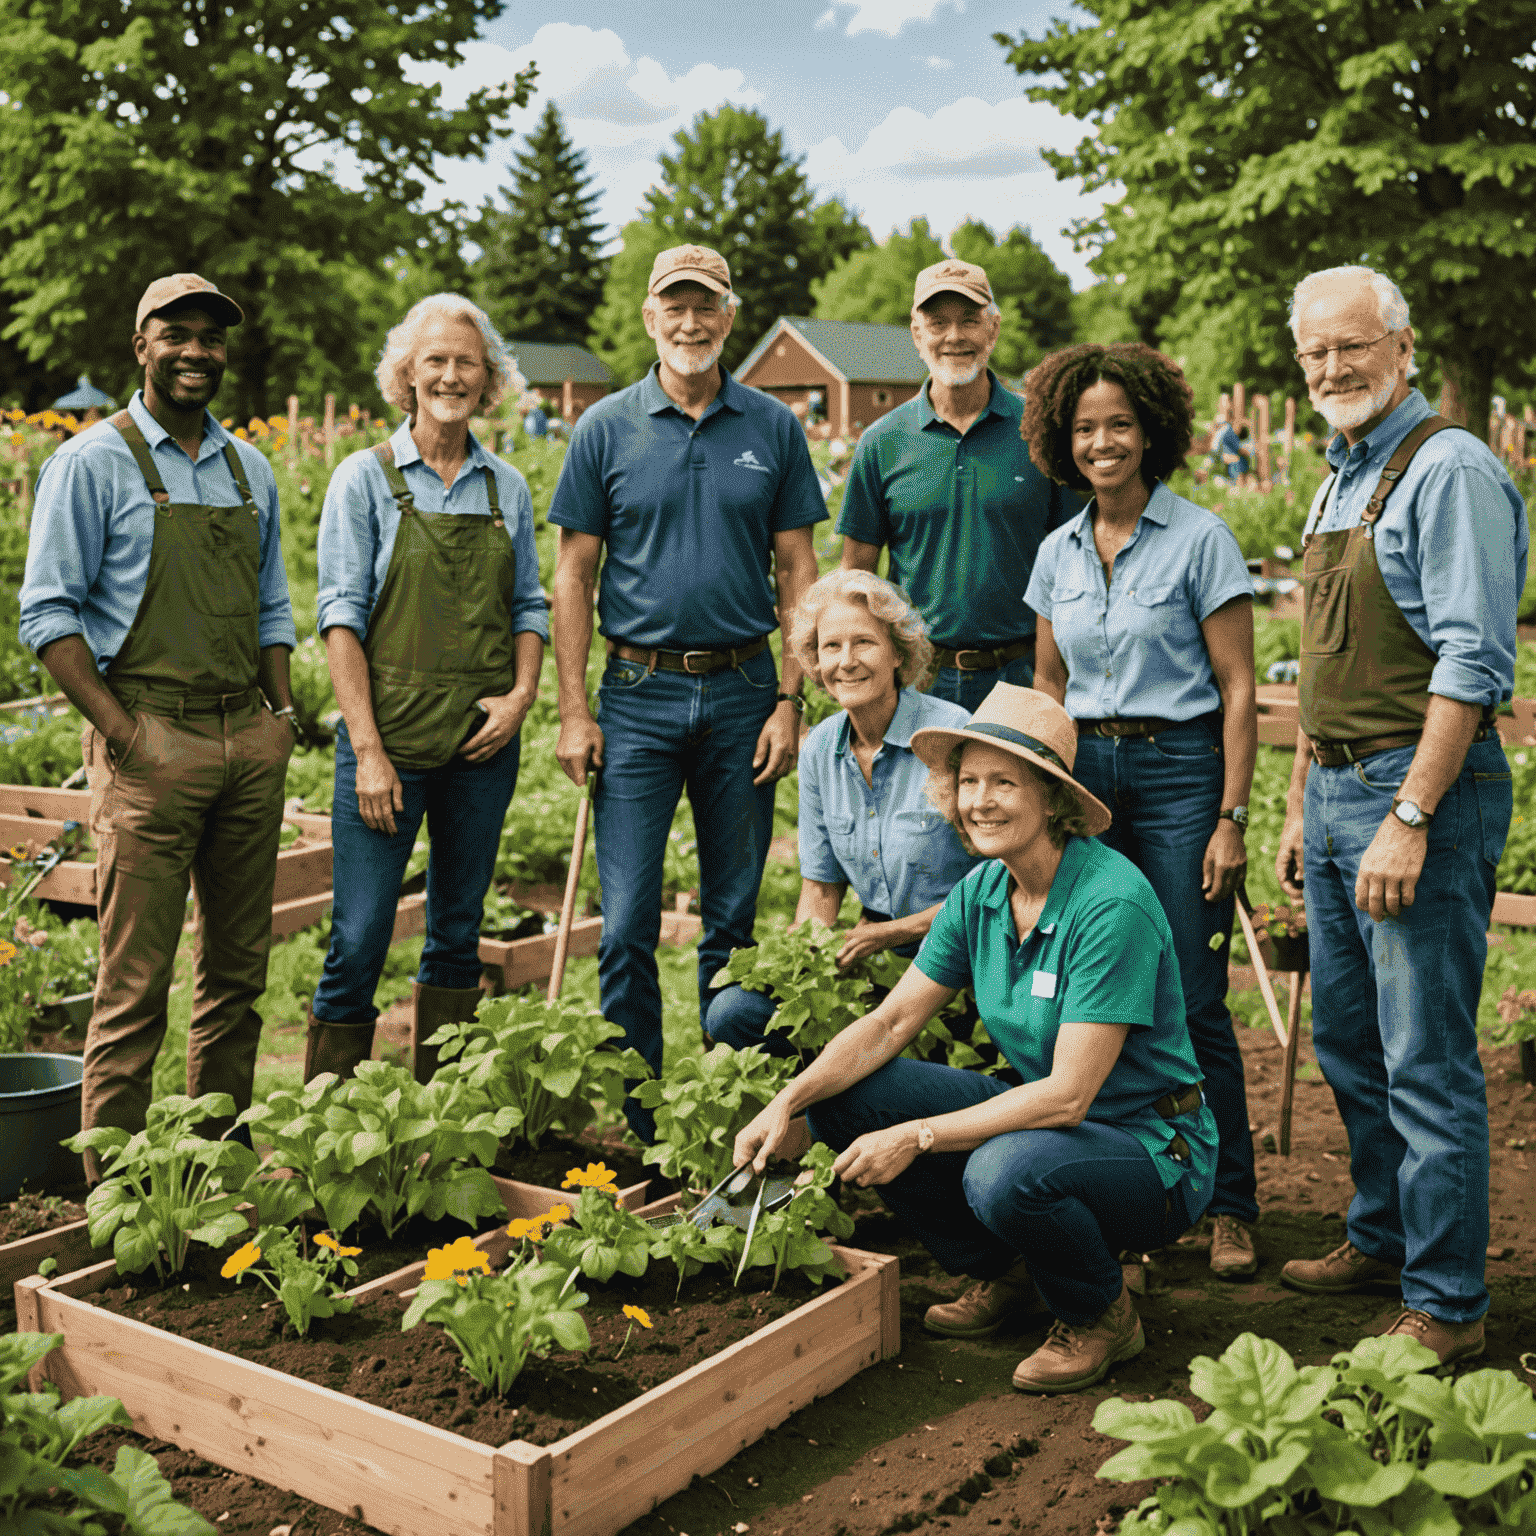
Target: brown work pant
x,y
197,798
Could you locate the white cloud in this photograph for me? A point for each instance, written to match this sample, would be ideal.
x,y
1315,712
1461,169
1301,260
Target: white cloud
x,y
933,61
889,16
828,18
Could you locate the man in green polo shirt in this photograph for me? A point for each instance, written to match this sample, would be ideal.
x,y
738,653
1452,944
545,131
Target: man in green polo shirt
x,y
946,481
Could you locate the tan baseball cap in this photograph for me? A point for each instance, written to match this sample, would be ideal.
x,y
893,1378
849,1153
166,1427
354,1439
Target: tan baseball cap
x,y
165,291
690,264
962,277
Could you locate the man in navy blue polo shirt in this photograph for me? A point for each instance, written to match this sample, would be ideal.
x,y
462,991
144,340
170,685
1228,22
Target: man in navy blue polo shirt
x,y
948,483
698,497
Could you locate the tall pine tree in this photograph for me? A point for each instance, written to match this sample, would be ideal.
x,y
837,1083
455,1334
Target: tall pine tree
x,y
540,275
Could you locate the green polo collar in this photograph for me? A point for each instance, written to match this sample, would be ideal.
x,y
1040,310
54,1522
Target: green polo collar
x,y
898,733
1002,402
1073,859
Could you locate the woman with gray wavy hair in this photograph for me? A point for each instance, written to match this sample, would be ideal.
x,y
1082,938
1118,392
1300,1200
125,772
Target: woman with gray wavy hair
x,y
864,818
434,629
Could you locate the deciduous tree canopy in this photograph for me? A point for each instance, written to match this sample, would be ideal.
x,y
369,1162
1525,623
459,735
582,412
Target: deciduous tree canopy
x,y
1259,142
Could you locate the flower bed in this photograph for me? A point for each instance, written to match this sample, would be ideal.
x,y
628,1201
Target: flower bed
x,y
415,1479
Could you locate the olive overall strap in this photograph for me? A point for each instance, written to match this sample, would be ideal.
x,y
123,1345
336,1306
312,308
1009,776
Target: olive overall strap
x,y
385,454
490,491
1397,466
237,469
128,429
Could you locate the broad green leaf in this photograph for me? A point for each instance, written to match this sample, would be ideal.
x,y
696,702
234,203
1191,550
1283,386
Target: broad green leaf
x,y
82,1416
150,1508
1470,1479
1496,1403
1340,1469
1141,1421
1251,1375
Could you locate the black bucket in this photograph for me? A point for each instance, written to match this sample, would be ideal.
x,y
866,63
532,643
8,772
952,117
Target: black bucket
x,y
39,1108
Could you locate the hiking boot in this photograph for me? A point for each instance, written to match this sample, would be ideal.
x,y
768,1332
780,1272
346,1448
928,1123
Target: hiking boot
x,y
1073,1358
337,1048
1232,1251
1450,1341
1345,1269
983,1309
431,1008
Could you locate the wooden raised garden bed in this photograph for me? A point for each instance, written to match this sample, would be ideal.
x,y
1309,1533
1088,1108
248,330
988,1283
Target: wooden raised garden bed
x,y
412,1479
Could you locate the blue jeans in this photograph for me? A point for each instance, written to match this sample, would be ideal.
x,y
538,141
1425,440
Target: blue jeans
x,y
739,1018
465,804
663,732
968,689
1065,1201
1394,1020
1165,794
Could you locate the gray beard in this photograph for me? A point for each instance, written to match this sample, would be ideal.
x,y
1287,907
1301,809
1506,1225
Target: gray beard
x,y
952,377
1344,416
679,360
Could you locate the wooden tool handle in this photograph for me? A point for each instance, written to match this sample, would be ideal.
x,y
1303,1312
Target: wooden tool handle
x,y
1261,970
572,880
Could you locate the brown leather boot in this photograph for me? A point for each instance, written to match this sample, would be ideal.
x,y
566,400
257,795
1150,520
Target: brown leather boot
x,y
1074,1358
983,1309
1345,1269
1232,1251
1450,1341
336,1048
432,1007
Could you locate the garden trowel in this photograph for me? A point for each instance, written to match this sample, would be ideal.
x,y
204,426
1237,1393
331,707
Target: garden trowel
x,y
739,1198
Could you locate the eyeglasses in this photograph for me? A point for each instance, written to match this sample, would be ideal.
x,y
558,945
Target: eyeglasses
x,y
1350,352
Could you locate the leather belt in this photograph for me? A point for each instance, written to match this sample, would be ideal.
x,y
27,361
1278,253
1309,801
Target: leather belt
x,y
1146,725
1183,1102
177,705
1337,754
694,663
980,660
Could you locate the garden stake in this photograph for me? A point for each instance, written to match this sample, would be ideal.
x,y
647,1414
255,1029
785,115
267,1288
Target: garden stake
x,y
1262,970
1288,1084
572,880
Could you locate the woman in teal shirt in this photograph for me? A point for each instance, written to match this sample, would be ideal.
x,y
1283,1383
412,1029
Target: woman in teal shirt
x,y
1108,1143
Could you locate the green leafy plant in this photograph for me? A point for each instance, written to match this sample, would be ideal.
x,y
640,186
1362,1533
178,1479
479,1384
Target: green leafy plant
x,y
1367,1443
601,1239
37,1435
383,1141
788,1238
700,1104
41,961
690,1250
164,1187
544,1065
498,1321
304,1281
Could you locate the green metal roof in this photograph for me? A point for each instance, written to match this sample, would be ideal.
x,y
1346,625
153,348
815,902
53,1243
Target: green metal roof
x,y
861,353
546,363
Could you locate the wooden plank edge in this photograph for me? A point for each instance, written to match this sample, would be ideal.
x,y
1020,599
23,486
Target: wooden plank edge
x,y
522,1478
69,1244
1517,911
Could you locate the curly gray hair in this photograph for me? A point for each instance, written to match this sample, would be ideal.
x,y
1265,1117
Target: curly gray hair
x,y
888,603
401,345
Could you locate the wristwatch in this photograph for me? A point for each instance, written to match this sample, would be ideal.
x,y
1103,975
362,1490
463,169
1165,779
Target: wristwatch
x,y
1238,813
797,699
924,1136
1410,815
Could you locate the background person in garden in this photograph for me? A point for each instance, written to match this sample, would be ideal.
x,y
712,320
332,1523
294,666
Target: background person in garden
x,y
1107,1144
1400,801
687,486
155,594
946,482
864,818
1146,636
434,629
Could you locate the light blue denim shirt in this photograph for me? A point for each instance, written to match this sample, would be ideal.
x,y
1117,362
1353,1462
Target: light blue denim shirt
x,y
888,842
1451,546
93,526
1137,649
360,518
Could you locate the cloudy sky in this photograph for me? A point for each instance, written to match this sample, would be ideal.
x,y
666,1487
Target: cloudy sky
x,y
904,108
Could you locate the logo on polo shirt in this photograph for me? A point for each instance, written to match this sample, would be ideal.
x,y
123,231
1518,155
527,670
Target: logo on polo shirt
x,y
748,460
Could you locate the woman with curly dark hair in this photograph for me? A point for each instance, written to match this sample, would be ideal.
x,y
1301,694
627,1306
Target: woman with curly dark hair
x,y
1145,634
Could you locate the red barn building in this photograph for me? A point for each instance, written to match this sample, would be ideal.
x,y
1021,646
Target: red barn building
x,y
569,374
860,370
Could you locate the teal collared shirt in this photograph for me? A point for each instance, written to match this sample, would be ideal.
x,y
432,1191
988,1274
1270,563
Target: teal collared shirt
x,y
361,517
93,527
964,516
887,840
1136,647
1451,545
1102,953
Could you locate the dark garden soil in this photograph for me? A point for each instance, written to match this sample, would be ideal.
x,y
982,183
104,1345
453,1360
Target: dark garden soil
x,y
557,1155
29,1214
937,1438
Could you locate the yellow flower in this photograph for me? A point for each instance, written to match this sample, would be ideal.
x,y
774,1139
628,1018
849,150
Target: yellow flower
x,y
638,1315
240,1260
277,421
7,951
534,1226
18,851
456,1262
325,1240
596,1176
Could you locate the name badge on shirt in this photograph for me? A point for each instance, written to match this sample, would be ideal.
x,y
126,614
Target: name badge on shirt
x,y
1044,984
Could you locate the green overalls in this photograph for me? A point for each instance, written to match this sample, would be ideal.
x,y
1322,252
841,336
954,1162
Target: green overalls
x,y
196,796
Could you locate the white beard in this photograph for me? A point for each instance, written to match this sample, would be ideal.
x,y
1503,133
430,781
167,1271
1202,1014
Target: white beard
x,y
688,361
955,375
1343,414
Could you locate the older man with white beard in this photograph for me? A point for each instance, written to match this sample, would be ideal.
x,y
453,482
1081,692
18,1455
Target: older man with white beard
x,y
947,482
1400,801
692,484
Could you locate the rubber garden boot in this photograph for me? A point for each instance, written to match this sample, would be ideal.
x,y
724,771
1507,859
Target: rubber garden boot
x,y
431,1008
337,1048
983,1309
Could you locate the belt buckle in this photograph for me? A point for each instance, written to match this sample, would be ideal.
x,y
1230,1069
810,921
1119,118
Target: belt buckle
x,y
689,670
960,666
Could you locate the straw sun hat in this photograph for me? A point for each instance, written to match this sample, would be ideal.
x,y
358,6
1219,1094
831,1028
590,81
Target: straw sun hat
x,y
1031,725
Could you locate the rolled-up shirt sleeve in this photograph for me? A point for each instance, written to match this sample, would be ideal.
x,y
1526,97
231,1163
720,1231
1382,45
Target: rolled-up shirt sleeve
x,y
1042,580
64,553
945,956
275,617
1468,558
348,543
529,615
